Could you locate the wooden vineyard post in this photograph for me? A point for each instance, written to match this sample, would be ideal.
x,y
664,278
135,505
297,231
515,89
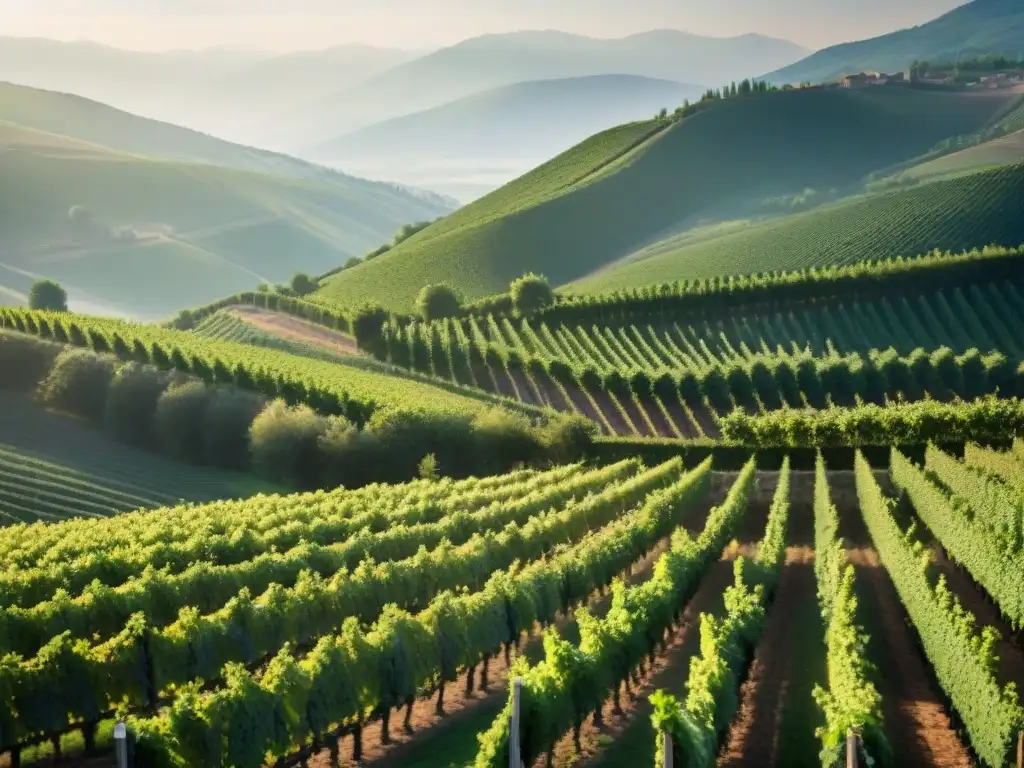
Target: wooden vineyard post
x,y
1020,750
514,760
666,750
121,745
851,749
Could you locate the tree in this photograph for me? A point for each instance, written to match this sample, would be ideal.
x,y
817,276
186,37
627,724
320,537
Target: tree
x,y
367,326
530,293
436,302
46,294
303,285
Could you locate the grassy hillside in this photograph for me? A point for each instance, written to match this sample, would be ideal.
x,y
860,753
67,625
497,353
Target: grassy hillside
x,y
976,28
491,61
1001,151
955,215
531,119
194,232
52,467
74,117
721,159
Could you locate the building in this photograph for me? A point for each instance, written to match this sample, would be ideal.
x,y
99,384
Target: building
x,y
860,80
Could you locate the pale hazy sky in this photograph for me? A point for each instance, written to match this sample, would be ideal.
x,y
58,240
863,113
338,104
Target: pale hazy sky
x,y
302,24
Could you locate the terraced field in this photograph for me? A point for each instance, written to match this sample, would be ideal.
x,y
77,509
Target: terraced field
x,y
740,151
957,214
52,467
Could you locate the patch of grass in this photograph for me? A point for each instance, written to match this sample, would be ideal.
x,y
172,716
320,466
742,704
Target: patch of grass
x,y
636,188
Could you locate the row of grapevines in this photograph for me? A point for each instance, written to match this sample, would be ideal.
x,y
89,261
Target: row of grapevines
x,y
327,388
746,380
37,544
571,682
697,724
1004,466
102,611
963,528
986,420
355,674
227,533
151,661
851,700
989,502
963,659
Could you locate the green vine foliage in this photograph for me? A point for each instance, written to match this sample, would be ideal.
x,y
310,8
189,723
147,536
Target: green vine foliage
x,y
361,673
851,700
963,658
573,681
979,527
726,645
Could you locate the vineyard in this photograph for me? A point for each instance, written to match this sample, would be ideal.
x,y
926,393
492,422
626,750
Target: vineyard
x,y
982,207
52,467
286,627
681,375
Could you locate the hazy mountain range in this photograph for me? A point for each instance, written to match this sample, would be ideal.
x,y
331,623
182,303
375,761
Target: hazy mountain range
x,y
978,28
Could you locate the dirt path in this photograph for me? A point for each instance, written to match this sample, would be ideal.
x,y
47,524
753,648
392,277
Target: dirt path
x,y
296,329
916,723
777,715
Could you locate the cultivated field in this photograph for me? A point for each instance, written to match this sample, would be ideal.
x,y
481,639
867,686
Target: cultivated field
x,y
53,467
952,215
737,153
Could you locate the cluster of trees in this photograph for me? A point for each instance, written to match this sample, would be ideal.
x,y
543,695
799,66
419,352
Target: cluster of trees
x,y
225,418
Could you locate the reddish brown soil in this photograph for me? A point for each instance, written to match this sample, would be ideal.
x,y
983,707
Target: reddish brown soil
x,y
552,394
527,391
633,411
504,383
296,329
484,378
776,719
611,413
658,419
916,723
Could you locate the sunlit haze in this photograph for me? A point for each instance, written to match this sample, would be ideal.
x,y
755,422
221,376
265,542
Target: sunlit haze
x,y
304,24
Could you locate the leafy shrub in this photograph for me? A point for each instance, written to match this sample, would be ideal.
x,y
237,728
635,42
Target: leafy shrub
x,y
179,420
46,294
436,302
284,444
531,293
132,400
227,418
24,361
348,457
504,440
78,383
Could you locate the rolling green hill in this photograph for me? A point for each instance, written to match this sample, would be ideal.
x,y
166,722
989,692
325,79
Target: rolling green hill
x,y
1001,151
161,234
954,215
977,28
53,467
74,117
566,220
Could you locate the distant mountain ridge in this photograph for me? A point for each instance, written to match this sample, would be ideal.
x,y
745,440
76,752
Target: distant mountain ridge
x,y
491,61
978,28
504,121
